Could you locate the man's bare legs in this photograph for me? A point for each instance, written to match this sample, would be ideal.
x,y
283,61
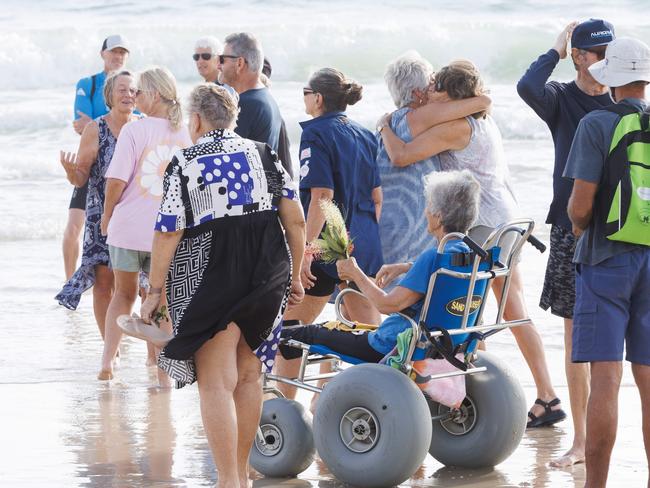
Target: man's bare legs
x,y
71,235
642,378
528,339
577,376
126,292
602,420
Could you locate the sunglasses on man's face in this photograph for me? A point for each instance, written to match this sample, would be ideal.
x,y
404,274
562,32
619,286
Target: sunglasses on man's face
x,y
307,91
203,56
223,57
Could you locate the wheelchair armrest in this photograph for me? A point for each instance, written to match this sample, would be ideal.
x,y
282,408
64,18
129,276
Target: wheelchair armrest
x,y
337,306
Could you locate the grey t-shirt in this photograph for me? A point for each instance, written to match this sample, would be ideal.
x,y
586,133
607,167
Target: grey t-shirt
x,y
586,162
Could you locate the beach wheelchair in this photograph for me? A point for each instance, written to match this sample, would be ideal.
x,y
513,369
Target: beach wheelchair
x,y
373,425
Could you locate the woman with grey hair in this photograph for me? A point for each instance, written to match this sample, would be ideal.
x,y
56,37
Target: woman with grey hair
x,y
228,231
474,143
403,225
452,200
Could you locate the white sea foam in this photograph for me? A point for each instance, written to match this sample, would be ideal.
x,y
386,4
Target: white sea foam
x,y
45,47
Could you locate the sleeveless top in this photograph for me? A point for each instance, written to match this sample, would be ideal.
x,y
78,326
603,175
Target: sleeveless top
x,y
95,249
484,157
403,226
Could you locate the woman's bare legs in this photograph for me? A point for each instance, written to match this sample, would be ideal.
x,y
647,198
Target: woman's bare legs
x,y
70,245
126,292
528,338
307,312
248,404
216,370
102,294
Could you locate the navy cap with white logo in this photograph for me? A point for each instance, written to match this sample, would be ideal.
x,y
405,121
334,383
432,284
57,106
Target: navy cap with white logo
x,y
592,32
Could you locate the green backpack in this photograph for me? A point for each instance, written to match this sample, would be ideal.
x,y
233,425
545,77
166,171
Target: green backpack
x,y
625,192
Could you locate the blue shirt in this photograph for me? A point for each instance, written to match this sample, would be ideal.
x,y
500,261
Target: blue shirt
x,y
561,106
586,162
94,106
259,117
403,225
384,338
340,154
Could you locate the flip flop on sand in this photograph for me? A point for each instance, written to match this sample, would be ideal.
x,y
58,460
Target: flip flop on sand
x,y
136,327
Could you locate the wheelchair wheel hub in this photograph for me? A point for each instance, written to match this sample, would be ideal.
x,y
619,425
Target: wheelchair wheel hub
x,y
272,440
359,430
459,421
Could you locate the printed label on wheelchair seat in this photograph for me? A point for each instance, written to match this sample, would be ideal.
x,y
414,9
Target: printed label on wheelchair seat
x,y
457,305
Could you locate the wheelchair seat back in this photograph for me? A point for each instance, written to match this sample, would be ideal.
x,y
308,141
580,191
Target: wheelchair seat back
x,y
447,295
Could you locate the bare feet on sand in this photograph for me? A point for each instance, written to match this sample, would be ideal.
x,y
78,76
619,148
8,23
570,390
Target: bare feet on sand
x,y
572,456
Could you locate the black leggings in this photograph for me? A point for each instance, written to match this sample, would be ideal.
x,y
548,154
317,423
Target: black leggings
x,y
347,343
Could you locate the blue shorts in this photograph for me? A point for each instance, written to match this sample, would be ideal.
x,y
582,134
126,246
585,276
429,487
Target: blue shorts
x,y
612,310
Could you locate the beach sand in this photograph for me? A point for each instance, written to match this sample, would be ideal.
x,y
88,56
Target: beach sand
x,y
63,428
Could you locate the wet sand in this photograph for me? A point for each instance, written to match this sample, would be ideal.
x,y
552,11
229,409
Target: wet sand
x,y
63,428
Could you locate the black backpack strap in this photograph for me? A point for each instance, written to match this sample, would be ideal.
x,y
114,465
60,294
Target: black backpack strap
x,y
621,109
444,346
93,87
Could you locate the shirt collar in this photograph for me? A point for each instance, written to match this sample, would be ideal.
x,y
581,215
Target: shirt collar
x,y
217,134
320,118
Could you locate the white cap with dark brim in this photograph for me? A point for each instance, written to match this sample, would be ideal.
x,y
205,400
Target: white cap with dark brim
x,y
115,41
626,60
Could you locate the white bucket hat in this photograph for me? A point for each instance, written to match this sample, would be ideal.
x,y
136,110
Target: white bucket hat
x,y
626,60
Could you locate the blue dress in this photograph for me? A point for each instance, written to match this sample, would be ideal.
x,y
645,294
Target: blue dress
x,y
340,154
95,249
403,226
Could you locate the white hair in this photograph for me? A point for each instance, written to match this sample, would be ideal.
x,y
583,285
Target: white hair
x,y
408,72
211,43
454,196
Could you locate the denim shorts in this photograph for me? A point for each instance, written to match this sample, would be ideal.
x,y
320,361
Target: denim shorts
x,y
612,311
129,259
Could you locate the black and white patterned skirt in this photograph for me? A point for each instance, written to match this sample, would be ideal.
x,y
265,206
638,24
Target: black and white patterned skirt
x,y
234,269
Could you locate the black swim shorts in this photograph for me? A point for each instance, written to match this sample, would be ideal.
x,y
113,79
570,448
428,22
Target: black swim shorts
x,y
78,199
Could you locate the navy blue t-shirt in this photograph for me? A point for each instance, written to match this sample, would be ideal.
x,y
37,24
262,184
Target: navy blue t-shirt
x,y
340,154
259,117
561,106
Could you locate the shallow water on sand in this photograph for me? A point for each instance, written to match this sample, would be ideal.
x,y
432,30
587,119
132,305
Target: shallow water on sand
x,y
63,428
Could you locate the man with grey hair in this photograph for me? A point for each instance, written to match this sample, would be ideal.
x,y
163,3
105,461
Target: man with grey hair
x,y
206,55
241,66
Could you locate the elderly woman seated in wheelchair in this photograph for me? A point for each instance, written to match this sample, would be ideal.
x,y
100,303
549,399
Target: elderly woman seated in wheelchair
x,y
373,425
452,206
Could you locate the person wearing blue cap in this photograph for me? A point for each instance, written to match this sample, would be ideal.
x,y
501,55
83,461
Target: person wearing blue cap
x,y
562,106
609,163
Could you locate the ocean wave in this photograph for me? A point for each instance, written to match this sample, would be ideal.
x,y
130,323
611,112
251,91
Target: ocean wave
x,y
360,39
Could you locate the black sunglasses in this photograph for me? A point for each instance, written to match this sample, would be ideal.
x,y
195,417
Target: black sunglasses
x,y
307,91
204,56
222,57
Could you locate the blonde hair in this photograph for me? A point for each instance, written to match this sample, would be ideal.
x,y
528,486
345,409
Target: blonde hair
x,y
109,85
160,80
